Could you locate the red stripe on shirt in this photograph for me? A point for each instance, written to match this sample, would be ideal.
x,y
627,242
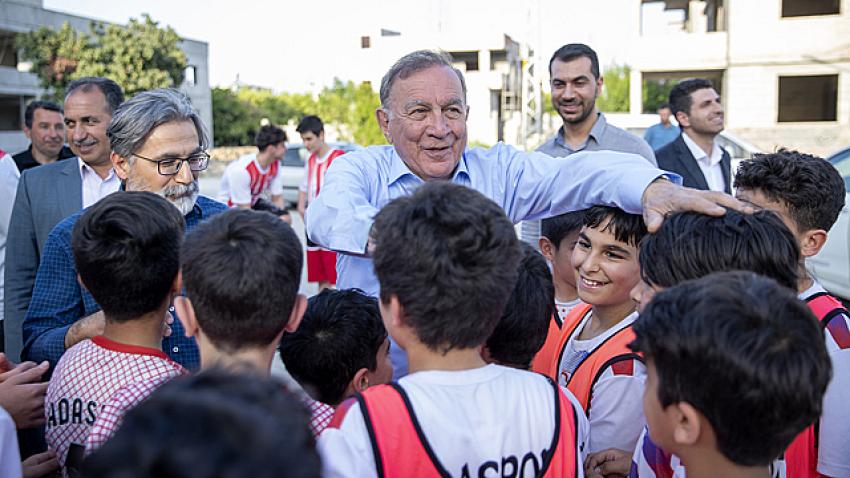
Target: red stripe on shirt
x,y
341,410
624,367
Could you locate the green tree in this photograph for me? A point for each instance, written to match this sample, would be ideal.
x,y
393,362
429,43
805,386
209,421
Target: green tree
x,y
354,107
615,91
235,121
138,56
656,92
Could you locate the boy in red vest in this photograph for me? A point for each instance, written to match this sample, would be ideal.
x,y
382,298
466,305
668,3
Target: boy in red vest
x,y
593,359
808,193
321,263
736,369
447,260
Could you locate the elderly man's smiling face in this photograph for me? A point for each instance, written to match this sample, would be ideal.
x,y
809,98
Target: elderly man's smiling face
x,y
425,121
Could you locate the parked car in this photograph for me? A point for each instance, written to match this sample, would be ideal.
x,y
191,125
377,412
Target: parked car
x,y
293,167
832,265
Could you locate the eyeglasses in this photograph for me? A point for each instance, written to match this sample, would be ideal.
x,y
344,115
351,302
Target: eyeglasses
x,y
170,167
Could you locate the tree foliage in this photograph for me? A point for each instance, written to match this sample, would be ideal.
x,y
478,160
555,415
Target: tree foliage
x,y
615,90
349,106
139,56
656,92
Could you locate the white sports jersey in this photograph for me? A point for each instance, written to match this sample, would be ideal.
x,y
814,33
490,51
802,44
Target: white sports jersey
x,y
616,403
244,181
85,379
469,417
564,308
314,173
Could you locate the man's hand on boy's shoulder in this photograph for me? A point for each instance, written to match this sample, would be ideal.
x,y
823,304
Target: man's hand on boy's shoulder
x,y
662,197
85,328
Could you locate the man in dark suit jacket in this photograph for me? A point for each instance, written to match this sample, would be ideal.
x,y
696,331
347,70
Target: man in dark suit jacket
x,y
695,155
49,193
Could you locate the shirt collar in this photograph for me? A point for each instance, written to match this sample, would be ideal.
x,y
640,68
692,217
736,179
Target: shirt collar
x,y
86,170
399,169
700,155
595,132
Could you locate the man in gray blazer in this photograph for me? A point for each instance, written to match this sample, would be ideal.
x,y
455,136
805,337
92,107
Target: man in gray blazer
x,y
49,193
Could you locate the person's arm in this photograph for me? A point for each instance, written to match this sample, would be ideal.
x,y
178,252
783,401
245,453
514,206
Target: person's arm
x,y
21,266
57,303
302,203
341,216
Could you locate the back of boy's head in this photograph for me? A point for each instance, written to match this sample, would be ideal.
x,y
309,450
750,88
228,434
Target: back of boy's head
x,y
625,227
340,333
690,245
210,425
744,352
810,187
523,326
127,251
558,227
451,257
242,270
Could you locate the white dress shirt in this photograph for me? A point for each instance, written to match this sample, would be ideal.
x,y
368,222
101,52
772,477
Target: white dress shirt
x,y
710,165
96,188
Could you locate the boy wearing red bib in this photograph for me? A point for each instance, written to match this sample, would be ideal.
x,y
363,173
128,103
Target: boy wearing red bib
x,y
447,260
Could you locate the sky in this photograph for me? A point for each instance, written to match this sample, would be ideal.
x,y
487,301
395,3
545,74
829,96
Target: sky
x,y
298,46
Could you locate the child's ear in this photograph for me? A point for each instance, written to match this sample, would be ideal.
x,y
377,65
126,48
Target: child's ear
x,y
812,242
186,315
360,382
297,313
177,285
396,312
547,248
688,423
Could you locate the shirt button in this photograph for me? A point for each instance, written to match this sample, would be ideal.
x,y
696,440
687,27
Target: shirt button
x,y
175,349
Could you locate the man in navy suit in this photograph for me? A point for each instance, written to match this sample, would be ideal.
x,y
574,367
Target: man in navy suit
x,y
49,193
695,155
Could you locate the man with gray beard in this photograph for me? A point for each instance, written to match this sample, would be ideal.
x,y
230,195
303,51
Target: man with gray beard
x,y
159,145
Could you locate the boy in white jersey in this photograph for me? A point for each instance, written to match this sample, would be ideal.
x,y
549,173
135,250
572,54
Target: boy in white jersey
x,y
808,193
255,176
126,250
593,359
737,369
447,259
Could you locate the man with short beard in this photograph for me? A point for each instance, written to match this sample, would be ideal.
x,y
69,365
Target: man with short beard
x,y
576,83
159,145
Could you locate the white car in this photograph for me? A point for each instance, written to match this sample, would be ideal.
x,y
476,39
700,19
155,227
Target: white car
x,y
293,167
832,265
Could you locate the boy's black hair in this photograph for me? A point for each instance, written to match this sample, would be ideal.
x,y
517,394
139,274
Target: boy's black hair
x,y
810,187
572,51
242,270
680,95
29,113
744,352
522,330
211,425
311,123
340,333
127,251
269,135
556,228
625,227
451,257
690,245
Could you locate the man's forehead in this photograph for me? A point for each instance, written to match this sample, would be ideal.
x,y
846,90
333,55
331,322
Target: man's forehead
x,y
88,103
572,68
47,115
426,84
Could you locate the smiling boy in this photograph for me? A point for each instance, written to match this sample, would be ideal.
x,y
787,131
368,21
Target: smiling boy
x,y
593,358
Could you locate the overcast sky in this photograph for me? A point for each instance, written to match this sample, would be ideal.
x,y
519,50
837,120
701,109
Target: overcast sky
x,y
291,45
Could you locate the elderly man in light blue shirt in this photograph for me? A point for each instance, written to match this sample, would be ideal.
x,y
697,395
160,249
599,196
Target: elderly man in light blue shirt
x,y
423,115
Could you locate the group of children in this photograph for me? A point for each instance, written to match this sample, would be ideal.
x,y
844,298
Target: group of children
x,y
615,352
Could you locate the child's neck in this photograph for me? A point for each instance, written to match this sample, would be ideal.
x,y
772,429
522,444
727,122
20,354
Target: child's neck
x,y
604,317
421,358
564,292
257,359
144,331
806,281
714,465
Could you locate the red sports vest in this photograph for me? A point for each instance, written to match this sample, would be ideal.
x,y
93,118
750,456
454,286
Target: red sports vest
x,y
544,356
401,449
613,351
801,457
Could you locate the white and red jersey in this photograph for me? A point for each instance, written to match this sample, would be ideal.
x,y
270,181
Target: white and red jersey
x,y
615,408
320,415
314,173
86,378
489,420
244,181
112,413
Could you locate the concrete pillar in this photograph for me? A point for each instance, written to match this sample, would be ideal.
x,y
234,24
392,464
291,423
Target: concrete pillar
x,y
635,92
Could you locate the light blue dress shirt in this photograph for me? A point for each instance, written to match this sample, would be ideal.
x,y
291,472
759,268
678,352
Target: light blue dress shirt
x,y
526,185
